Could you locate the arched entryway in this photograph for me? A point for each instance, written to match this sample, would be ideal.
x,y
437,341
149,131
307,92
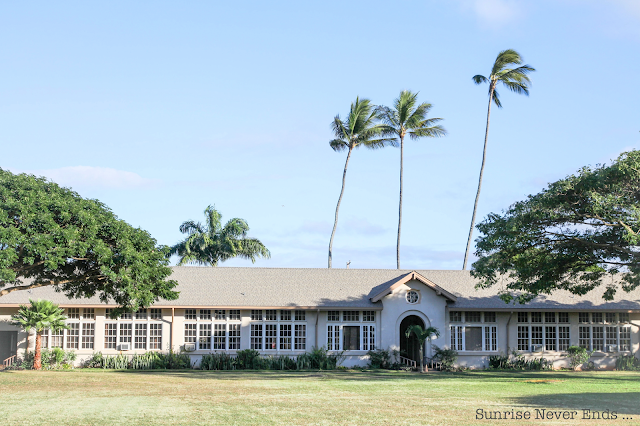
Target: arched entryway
x,y
410,347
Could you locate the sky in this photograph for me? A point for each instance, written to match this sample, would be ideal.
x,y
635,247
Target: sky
x,y
159,109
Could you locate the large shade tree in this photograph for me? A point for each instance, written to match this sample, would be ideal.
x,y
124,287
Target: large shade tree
x,y
39,316
359,129
407,118
50,236
211,243
515,79
580,233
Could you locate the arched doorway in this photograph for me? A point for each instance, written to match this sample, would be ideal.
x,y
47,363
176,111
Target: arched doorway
x,y
410,347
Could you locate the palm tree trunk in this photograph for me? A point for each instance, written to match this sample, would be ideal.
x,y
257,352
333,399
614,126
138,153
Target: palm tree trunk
x,y
400,205
475,205
335,223
37,357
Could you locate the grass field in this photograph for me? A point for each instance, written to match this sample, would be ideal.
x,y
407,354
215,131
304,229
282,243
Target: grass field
x,y
97,397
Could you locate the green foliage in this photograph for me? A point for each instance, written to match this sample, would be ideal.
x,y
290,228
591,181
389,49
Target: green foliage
x,y
51,359
380,358
53,237
628,362
515,79
519,362
212,243
578,356
446,357
422,334
146,361
249,359
360,128
580,233
39,316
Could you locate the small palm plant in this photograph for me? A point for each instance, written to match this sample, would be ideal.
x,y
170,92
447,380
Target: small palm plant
x,y
407,118
423,335
212,243
40,315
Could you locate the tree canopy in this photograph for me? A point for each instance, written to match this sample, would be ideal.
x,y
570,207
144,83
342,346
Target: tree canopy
x,y
211,243
51,236
580,233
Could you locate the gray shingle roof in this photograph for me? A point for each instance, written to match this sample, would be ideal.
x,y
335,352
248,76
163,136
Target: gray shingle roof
x,y
328,288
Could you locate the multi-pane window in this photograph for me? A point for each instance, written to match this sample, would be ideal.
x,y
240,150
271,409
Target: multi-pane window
x,y
549,317
285,336
489,317
256,336
204,338
610,317
536,316
270,336
234,315
110,336
585,337
368,316
523,316
125,333
563,338
155,314
624,317
57,338
190,333
625,338
368,338
612,338
300,316
256,315
455,316
234,336
300,342
550,338
219,335
218,314
155,336
190,314
598,338
73,335
88,334
333,316
140,336
333,337
563,317
88,314
272,315
583,317
474,338
205,314
596,317
351,316
472,317
536,336
73,313
141,314
351,338
523,336
491,338
126,316
285,315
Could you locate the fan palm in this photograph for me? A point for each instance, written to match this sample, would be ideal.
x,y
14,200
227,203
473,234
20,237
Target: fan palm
x,y
211,243
407,117
360,129
40,315
514,79
422,334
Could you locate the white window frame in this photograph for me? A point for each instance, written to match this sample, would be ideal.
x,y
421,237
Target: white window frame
x,y
136,318
368,331
219,320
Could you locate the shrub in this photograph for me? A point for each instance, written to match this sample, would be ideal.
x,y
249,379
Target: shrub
x,y
518,362
446,357
628,362
578,356
146,361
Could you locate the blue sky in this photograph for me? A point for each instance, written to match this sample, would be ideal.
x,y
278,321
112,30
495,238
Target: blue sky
x,y
161,108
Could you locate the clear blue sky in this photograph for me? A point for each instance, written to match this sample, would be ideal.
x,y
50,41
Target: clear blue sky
x,y
161,108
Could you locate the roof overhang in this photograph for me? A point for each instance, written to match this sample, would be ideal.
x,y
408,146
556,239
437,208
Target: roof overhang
x,y
414,276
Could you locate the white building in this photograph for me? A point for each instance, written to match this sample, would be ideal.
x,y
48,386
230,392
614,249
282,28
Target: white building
x,y
289,311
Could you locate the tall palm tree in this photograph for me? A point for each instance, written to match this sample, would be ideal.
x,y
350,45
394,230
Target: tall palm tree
x,y
360,129
514,79
211,243
40,315
407,117
422,334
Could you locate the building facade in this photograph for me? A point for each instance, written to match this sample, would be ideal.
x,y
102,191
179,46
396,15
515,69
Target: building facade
x,y
290,311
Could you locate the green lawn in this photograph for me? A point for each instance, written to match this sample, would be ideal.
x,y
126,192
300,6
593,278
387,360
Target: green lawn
x,y
97,397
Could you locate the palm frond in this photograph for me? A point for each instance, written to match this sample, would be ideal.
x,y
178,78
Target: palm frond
x,y
479,79
504,58
430,132
190,227
338,145
518,88
496,98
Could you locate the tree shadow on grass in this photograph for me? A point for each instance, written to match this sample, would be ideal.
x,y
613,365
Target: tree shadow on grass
x,y
624,403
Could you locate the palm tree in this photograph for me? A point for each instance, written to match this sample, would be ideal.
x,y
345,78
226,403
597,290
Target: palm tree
x,y
408,118
422,335
360,128
41,315
211,243
516,80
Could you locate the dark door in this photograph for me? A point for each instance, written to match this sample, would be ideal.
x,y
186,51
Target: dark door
x,y
8,344
410,347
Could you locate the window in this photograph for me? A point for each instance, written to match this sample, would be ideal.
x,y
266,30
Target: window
x,y
612,337
625,338
523,336
536,335
455,316
272,315
234,336
491,338
190,333
536,316
610,317
549,317
585,337
234,315
456,338
333,315
563,317
219,336
109,315
56,338
256,336
270,336
155,314
140,337
204,340
218,314
256,315
583,317
300,316
190,314
351,338
413,296
624,317
596,317
110,336
285,336
368,316
73,313
351,316
598,338
563,338
88,313
88,334
333,337
141,314
125,333
523,316
285,315
205,315
472,317
368,338
126,316
155,335
73,335
489,317
550,336
473,338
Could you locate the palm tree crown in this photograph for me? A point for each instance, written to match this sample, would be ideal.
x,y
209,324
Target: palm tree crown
x,y
422,334
515,79
211,243
407,117
359,129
